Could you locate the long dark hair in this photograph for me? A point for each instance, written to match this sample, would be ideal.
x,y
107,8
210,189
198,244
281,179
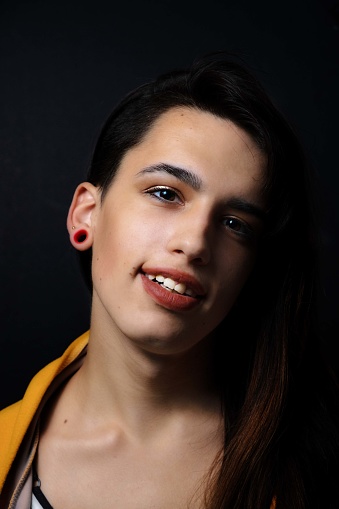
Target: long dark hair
x,y
279,404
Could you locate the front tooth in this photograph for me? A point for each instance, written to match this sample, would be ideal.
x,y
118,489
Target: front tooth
x,y
160,279
150,276
180,288
169,283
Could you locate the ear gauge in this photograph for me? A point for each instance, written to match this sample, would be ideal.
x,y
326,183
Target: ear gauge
x,y
80,236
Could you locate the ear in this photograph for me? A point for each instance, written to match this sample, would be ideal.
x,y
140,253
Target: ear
x,y
81,213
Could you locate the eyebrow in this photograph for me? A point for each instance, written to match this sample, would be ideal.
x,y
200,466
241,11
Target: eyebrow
x,y
245,206
186,176
190,178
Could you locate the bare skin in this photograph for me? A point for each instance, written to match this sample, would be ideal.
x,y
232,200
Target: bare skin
x,y
148,453
139,425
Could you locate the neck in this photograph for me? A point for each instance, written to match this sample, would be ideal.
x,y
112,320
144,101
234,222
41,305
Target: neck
x,y
120,379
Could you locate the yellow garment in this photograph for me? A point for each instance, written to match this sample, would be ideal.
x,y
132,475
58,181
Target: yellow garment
x,y
15,419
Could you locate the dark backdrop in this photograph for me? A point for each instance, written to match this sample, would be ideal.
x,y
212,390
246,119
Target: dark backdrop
x,y
63,67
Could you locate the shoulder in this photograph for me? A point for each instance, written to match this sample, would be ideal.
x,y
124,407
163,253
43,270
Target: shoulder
x,y
16,419
8,418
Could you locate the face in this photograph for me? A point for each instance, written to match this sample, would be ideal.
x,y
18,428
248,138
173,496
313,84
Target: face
x,y
176,236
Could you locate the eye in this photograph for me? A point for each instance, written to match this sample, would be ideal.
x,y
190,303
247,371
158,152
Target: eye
x,y
165,194
238,226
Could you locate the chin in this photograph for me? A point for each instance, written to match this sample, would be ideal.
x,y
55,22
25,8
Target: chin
x,y
163,338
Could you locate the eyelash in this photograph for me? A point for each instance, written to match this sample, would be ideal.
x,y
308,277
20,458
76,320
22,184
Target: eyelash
x,y
242,229
159,189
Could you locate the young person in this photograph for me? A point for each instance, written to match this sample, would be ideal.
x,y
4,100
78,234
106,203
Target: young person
x,y
200,383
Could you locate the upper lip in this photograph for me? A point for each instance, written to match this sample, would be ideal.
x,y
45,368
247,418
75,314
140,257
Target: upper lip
x,y
179,276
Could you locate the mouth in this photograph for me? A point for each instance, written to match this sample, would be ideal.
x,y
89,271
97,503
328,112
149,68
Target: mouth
x,y
173,286
174,290
175,281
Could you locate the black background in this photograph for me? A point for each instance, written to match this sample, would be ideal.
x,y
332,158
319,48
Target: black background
x,y
64,65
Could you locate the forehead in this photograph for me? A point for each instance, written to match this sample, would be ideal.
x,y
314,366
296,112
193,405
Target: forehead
x,y
201,142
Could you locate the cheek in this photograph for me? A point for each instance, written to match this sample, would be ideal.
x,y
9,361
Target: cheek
x,y
233,275
106,248
121,239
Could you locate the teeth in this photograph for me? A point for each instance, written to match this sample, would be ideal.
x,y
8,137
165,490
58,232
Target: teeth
x,y
190,293
169,283
180,288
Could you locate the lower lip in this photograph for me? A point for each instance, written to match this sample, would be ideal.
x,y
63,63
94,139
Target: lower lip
x,y
169,300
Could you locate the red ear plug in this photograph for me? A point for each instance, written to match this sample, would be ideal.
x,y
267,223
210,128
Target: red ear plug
x,y
80,236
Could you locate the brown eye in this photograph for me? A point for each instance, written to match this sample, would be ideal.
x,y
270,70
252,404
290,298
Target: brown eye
x,y
237,226
164,194
233,224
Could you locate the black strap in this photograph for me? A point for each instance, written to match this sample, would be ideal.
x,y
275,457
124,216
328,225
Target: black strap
x,y
38,493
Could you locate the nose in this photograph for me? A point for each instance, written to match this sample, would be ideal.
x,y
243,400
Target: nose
x,y
191,237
